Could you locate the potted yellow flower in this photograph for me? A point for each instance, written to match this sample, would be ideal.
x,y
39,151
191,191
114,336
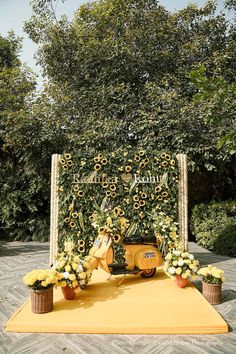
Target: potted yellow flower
x,y
41,283
212,279
73,270
180,265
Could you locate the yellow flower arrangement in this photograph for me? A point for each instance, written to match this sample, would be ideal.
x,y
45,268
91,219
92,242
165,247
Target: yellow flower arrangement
x,y
39,279
70,266
211,274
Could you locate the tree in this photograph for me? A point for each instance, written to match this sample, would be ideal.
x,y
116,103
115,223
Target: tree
x,y
216,99
118,74
18,202
123,66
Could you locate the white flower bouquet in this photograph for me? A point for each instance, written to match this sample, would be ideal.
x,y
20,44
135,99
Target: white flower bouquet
x,y
180,263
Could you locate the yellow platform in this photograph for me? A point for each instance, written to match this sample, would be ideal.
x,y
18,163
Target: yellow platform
x,y
138,306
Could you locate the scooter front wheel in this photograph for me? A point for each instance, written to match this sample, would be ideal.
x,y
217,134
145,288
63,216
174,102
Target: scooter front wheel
x,y
148,273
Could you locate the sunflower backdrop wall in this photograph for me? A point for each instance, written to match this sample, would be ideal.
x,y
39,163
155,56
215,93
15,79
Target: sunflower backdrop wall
x,y
140,185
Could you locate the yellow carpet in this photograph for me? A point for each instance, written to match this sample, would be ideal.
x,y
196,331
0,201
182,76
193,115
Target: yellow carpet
x,y
148,306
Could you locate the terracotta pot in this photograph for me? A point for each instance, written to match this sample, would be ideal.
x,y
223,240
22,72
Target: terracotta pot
x,y
68,293
212,293
42,300
181,282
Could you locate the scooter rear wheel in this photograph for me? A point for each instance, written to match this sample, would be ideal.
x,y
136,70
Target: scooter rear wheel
x,y
148,273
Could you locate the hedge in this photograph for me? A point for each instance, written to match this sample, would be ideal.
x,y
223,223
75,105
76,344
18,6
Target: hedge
x,y
214,226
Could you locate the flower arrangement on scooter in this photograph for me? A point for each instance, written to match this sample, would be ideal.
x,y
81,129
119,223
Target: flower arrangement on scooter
x,y
113,222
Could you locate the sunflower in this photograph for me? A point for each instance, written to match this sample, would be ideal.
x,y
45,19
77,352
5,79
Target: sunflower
x,y
76,188
104,161
100,156
105,185
80,193
158,189
167,157
69,163
62,161
81,249
164,163
96,159
108,193
143,195
81,242
91,217
72,224
65,167
142,202
116,238
75,215
135,197
113,187
164,194
97,167
159,197
117,210
146,161
67,156
113,194
67,220
121,212
163,155
172,162
142,164
141,152
128,168
136,205
137,158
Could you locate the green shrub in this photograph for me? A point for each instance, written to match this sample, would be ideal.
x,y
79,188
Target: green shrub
x,y
214,226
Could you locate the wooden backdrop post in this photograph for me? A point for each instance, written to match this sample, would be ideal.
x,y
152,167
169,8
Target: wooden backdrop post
x,y
183,198
54,207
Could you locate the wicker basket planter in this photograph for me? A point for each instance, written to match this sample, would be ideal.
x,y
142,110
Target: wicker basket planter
x,y
212,293
42,300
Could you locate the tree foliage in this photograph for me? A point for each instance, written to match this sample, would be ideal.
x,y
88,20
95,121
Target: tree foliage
x,y
216,98
122,66
19,203
118,74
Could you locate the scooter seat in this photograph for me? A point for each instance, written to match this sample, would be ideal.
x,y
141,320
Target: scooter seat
x,y
149,239
133,240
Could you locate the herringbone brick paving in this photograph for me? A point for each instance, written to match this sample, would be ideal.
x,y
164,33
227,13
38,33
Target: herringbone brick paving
x,y
16,259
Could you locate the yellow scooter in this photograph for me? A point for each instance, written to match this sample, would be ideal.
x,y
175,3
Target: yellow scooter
x,y
140,259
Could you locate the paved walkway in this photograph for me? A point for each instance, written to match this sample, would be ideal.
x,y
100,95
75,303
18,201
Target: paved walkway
x,y
16,259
